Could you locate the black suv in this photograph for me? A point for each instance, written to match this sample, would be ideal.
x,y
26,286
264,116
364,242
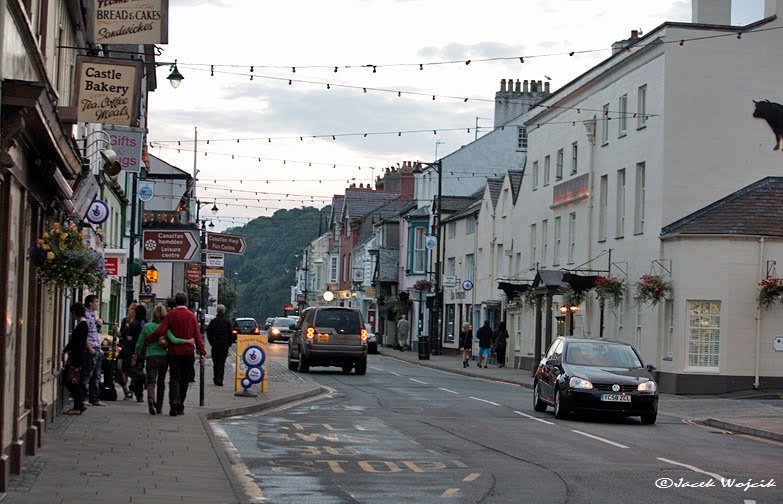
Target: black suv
x,y
329,336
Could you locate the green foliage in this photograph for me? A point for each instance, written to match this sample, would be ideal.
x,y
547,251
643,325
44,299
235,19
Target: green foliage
x,y
267,269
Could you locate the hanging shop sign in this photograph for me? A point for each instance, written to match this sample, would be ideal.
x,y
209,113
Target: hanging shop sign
x,y
146,190
127,143
115,262
98,212
129,22
107,90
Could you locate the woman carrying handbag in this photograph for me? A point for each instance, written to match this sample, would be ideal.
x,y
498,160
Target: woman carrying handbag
x,y
76,351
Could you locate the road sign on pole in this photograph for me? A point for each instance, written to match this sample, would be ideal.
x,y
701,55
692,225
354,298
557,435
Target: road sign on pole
x,y
226,244
215,260
173,245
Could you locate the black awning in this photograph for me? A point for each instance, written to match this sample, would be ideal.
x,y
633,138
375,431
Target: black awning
x,y
512,290
580,283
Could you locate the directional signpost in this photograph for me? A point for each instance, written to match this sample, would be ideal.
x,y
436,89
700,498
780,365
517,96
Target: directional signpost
x,y
226,244
173,245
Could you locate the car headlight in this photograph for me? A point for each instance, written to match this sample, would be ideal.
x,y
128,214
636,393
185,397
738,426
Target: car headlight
x,y
275,331
648,387
580,383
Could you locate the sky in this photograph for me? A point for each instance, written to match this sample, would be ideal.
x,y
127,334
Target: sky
x,y
278,164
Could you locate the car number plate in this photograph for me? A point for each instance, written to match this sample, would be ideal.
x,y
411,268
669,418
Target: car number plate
x,y
616,397
323,338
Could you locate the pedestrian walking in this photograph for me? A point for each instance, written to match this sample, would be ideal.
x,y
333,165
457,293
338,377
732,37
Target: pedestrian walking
x,y
132,361
499,342
484,335
157,360
121,378
403,332
91,369
183,323
76,353
220,339
466,343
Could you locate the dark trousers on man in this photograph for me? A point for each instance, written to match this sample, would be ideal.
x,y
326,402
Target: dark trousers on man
x,y
180,370
219,356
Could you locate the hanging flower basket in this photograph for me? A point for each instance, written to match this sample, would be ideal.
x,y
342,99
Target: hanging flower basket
x,y
652,289
770,292
572,297
528,299
63,259
609,289
423,285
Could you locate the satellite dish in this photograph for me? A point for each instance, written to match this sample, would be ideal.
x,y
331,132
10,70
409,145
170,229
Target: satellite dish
x,y
111,167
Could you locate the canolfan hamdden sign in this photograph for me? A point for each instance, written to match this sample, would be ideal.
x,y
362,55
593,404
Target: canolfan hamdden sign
x,y
129,22
107,90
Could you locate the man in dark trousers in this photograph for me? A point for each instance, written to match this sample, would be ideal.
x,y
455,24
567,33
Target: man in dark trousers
x,y
183,324
220,339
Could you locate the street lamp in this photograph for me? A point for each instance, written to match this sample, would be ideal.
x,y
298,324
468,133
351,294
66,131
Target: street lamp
x,y
438,167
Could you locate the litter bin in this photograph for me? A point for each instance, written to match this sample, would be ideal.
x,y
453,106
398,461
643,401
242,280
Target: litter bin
x,y
424,347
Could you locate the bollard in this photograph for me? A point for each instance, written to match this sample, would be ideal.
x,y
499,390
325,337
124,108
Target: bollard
x,y
200,383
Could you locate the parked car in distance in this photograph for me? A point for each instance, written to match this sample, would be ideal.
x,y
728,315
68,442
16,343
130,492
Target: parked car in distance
x,y
280,329
245,325
579,374
268,323
372,340
329,336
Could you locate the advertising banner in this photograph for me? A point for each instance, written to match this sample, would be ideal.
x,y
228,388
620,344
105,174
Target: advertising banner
x,y
127,144
129,22
107,90
245,344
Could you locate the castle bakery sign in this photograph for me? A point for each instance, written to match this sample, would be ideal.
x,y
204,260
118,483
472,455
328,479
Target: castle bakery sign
x,y
107,90
129,22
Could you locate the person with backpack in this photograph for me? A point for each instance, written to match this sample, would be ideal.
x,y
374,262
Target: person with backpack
x,y
499,342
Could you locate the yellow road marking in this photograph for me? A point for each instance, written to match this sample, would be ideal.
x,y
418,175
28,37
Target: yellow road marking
x,y
471,477
449,492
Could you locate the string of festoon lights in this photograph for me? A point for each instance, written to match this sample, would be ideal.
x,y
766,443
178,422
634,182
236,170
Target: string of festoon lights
x,y
421,65
605,113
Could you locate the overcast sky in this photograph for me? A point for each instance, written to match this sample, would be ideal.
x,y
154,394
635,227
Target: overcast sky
x,y
265,34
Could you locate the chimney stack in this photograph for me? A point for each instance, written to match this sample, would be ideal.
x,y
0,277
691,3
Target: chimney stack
x,y
714,12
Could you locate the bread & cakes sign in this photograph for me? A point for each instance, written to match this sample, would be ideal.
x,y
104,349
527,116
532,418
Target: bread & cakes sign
x,y
129,21
107,90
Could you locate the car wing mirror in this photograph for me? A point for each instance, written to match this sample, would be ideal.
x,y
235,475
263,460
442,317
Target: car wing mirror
x,y
552,362
650,368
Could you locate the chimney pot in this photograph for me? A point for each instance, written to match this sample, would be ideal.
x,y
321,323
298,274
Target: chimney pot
x,y
517,88
525,86
634,34
502,85
546,87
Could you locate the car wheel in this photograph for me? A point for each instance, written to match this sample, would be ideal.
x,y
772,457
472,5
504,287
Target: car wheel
x,y
372,348
538,404
304,366
649,419
347,367
361,366
292,365
560,411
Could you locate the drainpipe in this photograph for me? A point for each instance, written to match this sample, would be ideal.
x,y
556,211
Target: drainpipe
x,y
757,355
590,126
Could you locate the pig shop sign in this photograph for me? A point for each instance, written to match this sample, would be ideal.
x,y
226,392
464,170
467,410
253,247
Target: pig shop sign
x,y
129,21
107,90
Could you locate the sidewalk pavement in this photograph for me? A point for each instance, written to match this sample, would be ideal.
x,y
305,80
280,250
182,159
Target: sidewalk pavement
x,y
121,453
754,413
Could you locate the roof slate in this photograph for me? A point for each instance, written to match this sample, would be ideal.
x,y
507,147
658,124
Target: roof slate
x,y
359,203
515,180
754,210
495,185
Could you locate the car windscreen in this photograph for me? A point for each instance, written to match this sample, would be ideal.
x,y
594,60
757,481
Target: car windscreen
x,y
601,354
342,321
284,323
245,324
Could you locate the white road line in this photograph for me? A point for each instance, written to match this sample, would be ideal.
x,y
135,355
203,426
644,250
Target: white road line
x,y
534,418
359,428
376,368
599,439
471,477
395,374
692,468
748,501
418,381
449,492
484,400
447,390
